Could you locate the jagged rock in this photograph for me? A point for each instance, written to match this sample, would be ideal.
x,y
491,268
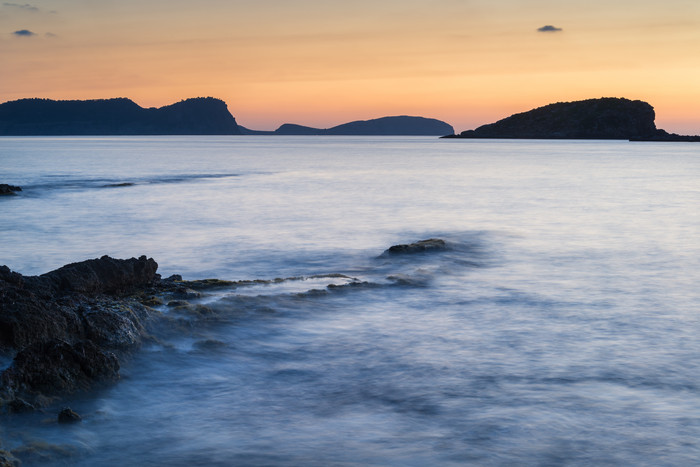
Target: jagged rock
x,y
68,416
19,405
27,317
51,306
117,328
57,367
6,189
431,244
65,325
8,460
103,275
184,293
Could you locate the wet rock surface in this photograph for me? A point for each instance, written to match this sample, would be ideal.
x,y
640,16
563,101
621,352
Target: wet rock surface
x,y
67,328
6,189
68,416
422,246
8,460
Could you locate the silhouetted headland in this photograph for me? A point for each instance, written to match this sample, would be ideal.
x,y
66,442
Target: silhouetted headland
x,y
121,116
386,126
604,118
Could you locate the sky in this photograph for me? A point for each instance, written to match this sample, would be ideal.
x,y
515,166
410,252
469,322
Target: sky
x,y
326,62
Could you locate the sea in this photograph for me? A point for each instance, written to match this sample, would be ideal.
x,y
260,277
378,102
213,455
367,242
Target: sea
x,y
560,326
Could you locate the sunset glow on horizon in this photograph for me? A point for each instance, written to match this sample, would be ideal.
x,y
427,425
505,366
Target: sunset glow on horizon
x,y
320,64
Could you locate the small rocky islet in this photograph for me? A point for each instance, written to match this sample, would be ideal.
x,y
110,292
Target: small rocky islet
x,y
606,118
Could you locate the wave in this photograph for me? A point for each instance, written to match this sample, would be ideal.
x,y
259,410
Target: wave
x,y
213,300
59,182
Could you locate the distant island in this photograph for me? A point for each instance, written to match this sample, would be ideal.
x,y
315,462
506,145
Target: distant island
x,y
120,116
385,126
198,116
604,118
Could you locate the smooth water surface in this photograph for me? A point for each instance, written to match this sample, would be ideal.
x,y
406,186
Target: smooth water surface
x,y
559,328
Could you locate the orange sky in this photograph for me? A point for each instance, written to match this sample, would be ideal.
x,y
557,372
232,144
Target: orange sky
x,y
321,63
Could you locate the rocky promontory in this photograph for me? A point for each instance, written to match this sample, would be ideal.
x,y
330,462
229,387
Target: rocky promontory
x,y
121,116
604,118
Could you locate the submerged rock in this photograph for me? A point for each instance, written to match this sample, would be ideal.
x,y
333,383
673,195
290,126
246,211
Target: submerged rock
x,y
422,246
6,189
68,416
8,460
184,293
19,406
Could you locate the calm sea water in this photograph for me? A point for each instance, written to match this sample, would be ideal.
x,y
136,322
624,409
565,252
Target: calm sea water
x,y
560,328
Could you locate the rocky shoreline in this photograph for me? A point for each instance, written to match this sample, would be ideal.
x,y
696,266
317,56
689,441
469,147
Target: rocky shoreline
x,y
69,329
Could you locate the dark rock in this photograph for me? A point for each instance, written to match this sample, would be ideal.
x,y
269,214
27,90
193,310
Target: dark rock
x,y
68,416
8,460
65,325
118,185
27,316
53,306
199,116
184,293
103,275
19,405
6,189
605,118
431,244
57,367
152,301
119,327
206,284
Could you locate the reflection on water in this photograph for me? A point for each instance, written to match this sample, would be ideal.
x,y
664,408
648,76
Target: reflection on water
x,y
557,328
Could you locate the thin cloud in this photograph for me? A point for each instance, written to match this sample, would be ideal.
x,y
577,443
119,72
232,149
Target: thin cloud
x,y
25,6
549,28
24,33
